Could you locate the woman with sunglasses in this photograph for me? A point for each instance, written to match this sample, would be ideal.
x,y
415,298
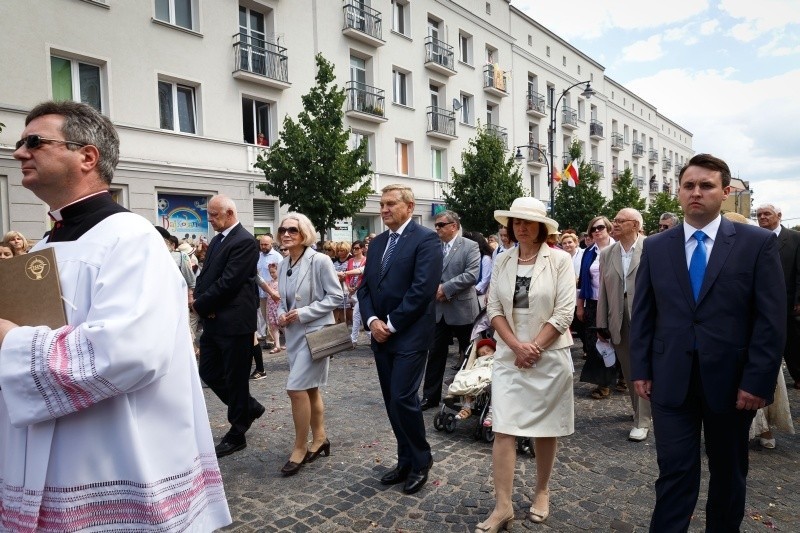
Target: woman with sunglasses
x,y
352,280
310,291
594,370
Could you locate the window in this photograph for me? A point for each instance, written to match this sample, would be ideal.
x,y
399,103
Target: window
x,y
402,151
75,80
491,114
491,55
437,163
177,12
400,87
256,121
579,70
581,110
176,105
400,15
551,95
356,138
465,48
547,51
252,36
488,8
466,109
530,40
564,60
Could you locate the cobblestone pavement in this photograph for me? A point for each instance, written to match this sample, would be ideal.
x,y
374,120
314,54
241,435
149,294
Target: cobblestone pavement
x,y
601,481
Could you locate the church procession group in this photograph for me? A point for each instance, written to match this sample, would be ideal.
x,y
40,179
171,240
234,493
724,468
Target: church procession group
x,y
103,421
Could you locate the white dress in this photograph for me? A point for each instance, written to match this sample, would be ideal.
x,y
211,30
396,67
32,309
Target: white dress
x,y
103,425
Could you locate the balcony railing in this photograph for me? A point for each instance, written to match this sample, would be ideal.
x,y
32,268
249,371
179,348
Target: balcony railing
x,y
638,149
498,131
598,167
677,171
441,120
494,78
653,187
537,153
439,52
666,165
652,156
261,57
595,128
615,174
667,187
362,18
365,99
569,117
617,141
536,103
639,183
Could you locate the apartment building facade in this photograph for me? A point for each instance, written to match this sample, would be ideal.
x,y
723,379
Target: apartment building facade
x,y
190,85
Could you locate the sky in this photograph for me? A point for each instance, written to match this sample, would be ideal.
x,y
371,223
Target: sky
x,y
726,70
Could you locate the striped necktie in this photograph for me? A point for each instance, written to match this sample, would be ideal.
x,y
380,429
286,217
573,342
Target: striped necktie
x,y
389,251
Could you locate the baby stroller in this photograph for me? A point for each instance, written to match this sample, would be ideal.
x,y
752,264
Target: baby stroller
x,y
477,385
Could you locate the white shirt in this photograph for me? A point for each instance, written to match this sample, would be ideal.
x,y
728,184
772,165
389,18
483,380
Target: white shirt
x,y
691,243
626,263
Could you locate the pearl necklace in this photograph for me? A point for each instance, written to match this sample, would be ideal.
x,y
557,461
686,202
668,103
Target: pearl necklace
x,y
526,259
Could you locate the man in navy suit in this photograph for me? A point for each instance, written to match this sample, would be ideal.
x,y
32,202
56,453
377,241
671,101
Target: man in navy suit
x,y
396,299
225,297
707,333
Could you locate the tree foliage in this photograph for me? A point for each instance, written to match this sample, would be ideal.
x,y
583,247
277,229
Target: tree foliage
x,y
625,193
662,202
310,167
575,206
490,180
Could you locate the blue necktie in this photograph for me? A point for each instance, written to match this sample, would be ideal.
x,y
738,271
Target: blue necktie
x,y
389,250
697,266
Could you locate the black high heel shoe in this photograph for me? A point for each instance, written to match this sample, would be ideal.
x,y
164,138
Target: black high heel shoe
x,y
325,450
291,468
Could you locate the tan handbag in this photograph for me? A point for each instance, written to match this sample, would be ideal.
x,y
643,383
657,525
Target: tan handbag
x,y
330,339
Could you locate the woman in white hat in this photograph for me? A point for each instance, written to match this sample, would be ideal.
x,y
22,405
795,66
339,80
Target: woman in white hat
x,y
530,305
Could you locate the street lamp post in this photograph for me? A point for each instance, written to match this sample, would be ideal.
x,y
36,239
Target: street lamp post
x,y
551,136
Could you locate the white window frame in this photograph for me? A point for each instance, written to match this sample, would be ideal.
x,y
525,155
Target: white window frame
x,y
401,146
442,153
270,118
355,140
75,63
193,5
467,111
186,87
401,15
401,85
465,48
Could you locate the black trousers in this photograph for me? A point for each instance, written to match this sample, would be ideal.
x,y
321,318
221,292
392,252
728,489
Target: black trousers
x,y
437,357
400,375
677,434
225,362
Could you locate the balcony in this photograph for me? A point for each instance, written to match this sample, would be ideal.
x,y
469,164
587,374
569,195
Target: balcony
x,y
537,155
639,183
536,106
677,171
666,165
260,61
595,129
441,123
363,24
638,149
439,56
617,142
500,132
569,118
667,187
597,167
494,81
653,187
566,157
652,156
365,102
615,174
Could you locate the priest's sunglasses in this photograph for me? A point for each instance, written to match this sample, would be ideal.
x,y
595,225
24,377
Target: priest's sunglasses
x,y
34,141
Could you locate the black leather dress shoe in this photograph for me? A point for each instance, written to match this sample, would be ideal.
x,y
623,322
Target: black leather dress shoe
x,y
397,475
291,468
427,404
258,412
226,448
417,479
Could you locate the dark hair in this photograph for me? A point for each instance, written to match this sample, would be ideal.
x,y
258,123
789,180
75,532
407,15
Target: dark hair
x,y
163,232
451,216
360,243
174,241
483,245
709,162
540,237
84,124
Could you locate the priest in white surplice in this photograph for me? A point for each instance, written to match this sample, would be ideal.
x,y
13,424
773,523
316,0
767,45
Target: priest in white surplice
x,y
103,425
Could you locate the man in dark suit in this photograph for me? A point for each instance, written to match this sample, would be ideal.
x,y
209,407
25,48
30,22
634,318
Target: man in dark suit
x,y
707,331
456,302
226,299
396,299
769,217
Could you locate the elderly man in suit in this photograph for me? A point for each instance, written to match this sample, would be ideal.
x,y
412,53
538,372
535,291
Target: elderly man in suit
x,y
769,217
396,303
226,299
618,265
707,331
456,302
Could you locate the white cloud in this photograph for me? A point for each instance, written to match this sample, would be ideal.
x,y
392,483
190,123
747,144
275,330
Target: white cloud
x,y
676,34
745,32
642,51
749,124
709,27
760,17
779,47
597,17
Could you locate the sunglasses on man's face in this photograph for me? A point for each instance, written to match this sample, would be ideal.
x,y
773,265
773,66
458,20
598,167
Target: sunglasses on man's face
x,y
34,141
290,231
440,225
599,227
663,226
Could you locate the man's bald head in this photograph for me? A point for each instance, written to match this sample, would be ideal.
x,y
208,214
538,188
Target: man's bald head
x,y
222,212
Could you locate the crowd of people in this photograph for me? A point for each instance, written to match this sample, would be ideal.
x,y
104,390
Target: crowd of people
x,y
691,323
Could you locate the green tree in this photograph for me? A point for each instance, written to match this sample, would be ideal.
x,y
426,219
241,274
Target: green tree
x,y
662,202
310,167
575,206
625,193
490,180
